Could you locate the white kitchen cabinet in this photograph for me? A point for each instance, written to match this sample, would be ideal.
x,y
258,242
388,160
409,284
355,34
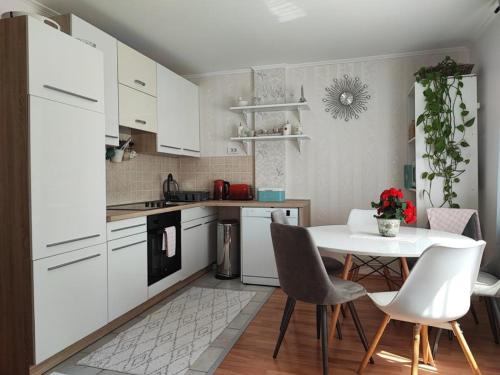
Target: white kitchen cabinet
x,y
68,184
178,114
137,110
70,298
136,70
127,274
107,44
209,244
192,237
64,69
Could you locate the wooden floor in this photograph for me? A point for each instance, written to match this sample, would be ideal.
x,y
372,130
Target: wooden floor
x,y
301,352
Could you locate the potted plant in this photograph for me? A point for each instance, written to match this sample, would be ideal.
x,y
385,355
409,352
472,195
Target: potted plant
x,y
392,210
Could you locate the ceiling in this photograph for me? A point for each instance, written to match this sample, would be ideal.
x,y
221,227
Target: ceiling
x,y
200,36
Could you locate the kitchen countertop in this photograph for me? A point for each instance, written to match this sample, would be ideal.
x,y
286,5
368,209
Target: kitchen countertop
x,y
115,215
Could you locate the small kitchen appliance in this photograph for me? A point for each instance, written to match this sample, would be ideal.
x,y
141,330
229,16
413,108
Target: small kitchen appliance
x,y
221,189
240,192
270,194
172,193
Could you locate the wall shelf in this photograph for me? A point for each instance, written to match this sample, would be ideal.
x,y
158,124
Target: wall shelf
x,y
246,110
411,140
248,140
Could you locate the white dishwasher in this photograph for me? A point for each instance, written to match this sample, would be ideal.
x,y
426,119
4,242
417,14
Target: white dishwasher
x,y
258,265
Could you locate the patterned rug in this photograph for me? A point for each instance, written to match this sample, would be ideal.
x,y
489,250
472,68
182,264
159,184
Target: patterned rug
x,y
169,340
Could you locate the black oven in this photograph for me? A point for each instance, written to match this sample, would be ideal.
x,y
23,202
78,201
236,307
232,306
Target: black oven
x,y
159,264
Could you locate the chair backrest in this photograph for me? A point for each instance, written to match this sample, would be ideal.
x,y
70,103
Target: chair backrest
x,y
301,272
362,217
441,283
278,216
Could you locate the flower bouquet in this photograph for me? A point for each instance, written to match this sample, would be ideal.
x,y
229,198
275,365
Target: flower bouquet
x,y
392,210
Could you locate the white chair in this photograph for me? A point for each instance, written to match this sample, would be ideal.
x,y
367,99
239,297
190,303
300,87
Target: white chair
x,y
367,217
436,293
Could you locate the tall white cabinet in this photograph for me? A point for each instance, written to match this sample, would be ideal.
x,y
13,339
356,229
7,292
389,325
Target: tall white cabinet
x,y
467,188
107,44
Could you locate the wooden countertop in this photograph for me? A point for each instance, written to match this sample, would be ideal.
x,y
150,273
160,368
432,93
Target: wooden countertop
x,y
115,215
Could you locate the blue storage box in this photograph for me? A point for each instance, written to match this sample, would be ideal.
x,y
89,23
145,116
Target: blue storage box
x,y
271,195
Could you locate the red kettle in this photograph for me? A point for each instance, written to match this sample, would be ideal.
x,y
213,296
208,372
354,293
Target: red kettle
x,y
221,189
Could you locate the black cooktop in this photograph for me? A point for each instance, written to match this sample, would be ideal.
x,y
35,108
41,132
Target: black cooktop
x,y
143,206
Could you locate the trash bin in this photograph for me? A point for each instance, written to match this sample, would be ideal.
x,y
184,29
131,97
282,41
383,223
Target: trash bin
x,y
228,249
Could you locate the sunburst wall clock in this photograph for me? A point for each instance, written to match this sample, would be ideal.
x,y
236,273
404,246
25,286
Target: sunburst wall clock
x,y
346,98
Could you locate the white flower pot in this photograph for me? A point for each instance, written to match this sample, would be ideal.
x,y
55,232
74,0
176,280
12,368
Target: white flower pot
x,y
388,227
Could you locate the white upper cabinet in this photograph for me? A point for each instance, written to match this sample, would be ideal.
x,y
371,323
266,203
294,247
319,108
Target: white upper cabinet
x,y
136,70
64,69
137,110
68,184
108,45
178,114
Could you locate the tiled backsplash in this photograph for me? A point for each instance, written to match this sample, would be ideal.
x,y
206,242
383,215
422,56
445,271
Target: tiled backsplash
x,y
200,173
141,178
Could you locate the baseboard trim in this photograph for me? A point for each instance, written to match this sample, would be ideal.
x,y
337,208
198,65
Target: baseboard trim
x,y
71,350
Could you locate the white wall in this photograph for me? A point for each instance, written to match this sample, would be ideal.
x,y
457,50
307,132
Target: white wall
x,y
487,56
347,164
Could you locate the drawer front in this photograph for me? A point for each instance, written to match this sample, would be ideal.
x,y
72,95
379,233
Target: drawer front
x,y
136,70
127,274
137,110
126,228
197,213
64,69
70,298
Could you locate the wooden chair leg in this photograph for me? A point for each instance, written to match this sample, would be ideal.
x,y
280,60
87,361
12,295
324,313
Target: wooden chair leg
x,y
374,343
465,348
287,314
416,347
426,349
336,311
405,268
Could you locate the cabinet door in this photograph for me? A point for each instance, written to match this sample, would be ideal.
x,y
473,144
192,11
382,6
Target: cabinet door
x,y
68,185
191,143
170,112
127,274
64,69
70,298
192,237
107,45
209,241
137,110
136,70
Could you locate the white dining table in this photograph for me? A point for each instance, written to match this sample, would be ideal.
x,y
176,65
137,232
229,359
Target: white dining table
x,y
359,240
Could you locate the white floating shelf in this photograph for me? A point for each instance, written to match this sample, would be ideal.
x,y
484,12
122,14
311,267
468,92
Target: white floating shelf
x,y
248,140
245,110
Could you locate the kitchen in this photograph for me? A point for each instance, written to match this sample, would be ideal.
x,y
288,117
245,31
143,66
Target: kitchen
x,y
140,186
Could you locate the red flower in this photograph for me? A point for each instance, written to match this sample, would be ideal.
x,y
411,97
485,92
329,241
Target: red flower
x,y
392,192
410,213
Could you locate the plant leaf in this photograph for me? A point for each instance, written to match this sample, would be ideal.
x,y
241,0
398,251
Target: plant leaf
x,y
470,122
420,119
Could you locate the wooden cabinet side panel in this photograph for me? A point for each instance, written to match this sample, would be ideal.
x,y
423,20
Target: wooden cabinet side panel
x,y
16,322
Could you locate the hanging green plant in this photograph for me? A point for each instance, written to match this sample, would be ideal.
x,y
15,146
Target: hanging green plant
x,y
444,127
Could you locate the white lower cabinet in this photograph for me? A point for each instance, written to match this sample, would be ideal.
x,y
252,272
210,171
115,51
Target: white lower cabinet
x,y
199,238
127,274
70,298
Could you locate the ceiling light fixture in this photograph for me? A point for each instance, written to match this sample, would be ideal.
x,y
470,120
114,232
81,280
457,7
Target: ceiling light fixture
x,y
285,10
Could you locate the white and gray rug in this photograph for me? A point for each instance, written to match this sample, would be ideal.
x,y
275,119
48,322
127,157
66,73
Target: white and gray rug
x,y
169,340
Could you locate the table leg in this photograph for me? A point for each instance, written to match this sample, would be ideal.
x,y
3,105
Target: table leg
x,y
336,311
404,267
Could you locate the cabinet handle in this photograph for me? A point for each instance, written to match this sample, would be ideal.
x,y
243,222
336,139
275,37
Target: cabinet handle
x,y
112,136
194,226
175,148
140,121
73,240
213,221
129,227
188,149
70,93
129,245
139,82
73,262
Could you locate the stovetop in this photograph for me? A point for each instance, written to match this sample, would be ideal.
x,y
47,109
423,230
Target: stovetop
x,y
144,206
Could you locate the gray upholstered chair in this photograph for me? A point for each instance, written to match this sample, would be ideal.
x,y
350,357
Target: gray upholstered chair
x,y
303,277
332,265
488,286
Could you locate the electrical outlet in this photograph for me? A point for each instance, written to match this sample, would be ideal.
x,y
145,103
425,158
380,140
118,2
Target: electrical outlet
x,y
232,150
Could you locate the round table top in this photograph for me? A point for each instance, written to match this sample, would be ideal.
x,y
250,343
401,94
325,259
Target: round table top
x,y
366,240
